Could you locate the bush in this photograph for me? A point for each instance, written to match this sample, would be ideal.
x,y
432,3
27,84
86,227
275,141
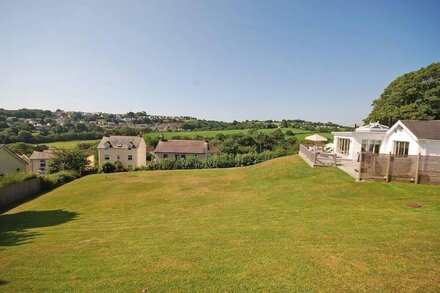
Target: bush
x,y
57,179
11,178
289,132
108,167
119,167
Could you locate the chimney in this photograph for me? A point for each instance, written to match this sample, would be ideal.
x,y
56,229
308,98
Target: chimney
x,y
162,137
20,152
206,138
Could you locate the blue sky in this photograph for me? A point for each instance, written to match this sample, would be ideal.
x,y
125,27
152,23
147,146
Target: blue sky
x,y
223,60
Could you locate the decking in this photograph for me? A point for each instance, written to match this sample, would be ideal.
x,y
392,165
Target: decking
x,y
316,158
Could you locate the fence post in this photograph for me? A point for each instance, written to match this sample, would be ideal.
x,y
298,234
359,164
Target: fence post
x,y
314,158
360,167
387,175
417,180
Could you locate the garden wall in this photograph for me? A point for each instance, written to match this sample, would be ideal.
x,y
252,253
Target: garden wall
x,y
17,192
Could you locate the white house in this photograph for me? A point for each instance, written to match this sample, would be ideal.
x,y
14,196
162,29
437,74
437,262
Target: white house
x,y
348,144
39,160
10,162
182,149
405,137
131,151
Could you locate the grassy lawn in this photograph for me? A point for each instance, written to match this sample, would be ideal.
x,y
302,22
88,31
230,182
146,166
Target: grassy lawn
x,y
278,226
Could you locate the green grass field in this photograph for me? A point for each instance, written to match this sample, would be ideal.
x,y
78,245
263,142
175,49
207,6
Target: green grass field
x,y
213,133
69,144
277,226
299,134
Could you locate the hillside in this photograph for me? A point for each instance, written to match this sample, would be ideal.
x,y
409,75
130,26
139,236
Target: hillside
x,y
279,225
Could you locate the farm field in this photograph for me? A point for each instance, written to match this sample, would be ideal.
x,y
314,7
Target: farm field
x,y
278,226
213,133
70,144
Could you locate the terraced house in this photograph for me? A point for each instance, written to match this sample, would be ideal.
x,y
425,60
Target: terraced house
x,y
129,150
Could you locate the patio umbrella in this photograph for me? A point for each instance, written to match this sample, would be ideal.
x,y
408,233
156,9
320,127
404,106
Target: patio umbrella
x,y
316,138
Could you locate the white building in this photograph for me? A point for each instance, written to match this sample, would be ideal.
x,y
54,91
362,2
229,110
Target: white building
x,y
406,137
131,151
10,162
39,160
182,149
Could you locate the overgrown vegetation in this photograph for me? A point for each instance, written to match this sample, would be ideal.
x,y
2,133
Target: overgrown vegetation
x,y
57,179
12,178
222,160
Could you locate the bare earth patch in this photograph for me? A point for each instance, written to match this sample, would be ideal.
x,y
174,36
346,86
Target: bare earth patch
x,y
413,205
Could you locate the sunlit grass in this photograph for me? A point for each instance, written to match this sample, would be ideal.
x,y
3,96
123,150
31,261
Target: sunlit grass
x,y
278,226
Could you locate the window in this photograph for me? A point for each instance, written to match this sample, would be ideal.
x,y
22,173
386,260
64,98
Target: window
x,y
130,157
176,157
183,157
343,145
371,146
401,148
165,156
118,157
106,157
42,165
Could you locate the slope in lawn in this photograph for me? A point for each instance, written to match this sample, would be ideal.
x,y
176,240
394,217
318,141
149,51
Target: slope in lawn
x,y
279,225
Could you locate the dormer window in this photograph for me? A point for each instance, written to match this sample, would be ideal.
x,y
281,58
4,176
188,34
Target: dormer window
x,y
120,145
108,144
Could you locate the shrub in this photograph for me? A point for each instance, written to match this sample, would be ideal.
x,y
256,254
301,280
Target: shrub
x,y
11,178
119,167
289,132
108,167
57,179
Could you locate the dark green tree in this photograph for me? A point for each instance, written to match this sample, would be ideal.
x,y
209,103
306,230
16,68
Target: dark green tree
x,y
67,160
414,95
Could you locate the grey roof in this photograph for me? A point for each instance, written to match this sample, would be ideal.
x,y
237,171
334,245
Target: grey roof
x,y
44,155
120,142
424,129
183,147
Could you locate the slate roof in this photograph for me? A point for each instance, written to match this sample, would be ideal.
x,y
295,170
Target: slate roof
x,y
44,155
424,129
183,147
120,142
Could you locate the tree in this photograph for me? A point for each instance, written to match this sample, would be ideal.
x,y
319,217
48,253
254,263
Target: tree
x,y
25,136
69,160
284,123
414,95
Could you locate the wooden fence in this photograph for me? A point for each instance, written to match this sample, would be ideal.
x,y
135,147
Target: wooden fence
x,y
417,169
317,158
18,192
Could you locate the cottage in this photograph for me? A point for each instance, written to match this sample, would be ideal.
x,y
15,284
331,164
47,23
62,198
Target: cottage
x,y
405,137
182,149
39,160
129,150
10,162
